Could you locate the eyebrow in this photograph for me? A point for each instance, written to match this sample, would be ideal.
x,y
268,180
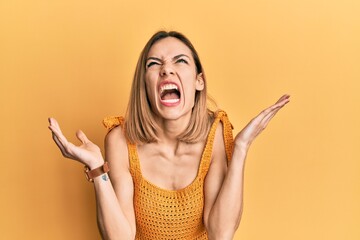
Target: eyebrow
x,y
153,58
174,58
180,55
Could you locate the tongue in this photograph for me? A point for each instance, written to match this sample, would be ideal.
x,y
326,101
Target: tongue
x,y
168,96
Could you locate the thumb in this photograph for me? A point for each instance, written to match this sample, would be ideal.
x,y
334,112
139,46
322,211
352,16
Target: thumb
x,y
82,137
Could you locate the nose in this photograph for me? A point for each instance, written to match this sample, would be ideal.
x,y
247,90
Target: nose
x,y
166,69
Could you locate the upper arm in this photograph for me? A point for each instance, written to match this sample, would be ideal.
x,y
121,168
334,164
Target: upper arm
x,y
216,174
116,153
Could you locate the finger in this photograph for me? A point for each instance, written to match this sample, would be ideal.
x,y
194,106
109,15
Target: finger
x,y
265,121
282,98
283,101
54,126
279,104
59,138
60,145
53,122
64,149
82,137
268,110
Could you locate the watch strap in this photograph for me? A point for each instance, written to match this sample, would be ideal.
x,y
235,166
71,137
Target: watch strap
x,y
91,174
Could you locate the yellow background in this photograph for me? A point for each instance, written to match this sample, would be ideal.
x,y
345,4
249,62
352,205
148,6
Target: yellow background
x,y
74,60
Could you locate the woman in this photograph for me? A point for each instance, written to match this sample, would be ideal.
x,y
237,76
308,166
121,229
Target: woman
x,y
176,172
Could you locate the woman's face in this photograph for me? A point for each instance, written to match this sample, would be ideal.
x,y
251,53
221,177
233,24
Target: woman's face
x,y
171,79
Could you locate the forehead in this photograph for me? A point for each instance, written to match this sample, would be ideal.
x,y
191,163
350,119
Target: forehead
x,y
169,47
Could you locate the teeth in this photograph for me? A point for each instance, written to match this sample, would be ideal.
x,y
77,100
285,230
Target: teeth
x,y
171,100
169,86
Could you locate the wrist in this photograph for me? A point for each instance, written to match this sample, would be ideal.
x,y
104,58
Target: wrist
x,y
240,152
242,147
96,172
95,164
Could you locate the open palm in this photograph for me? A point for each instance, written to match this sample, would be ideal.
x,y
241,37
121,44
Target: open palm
x,y
248,134
87,153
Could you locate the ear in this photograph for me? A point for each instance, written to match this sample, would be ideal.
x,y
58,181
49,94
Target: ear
x,y
200,83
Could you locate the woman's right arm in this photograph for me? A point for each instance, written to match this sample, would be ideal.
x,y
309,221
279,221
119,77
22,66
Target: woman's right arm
x,y
115,208
114,198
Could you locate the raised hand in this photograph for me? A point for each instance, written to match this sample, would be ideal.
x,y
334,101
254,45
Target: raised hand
x,y
248,134
87,153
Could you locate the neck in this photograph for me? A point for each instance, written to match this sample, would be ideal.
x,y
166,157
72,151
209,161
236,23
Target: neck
x,y
171,129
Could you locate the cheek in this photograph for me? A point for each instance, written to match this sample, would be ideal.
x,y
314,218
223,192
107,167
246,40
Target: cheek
x,y
149,81
190,92
149,90
151,77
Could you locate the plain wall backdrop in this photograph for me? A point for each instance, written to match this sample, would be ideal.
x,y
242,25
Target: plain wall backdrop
x,y
74,60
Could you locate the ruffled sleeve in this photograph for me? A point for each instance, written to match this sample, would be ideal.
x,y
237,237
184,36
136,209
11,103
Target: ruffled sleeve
x,y
112,122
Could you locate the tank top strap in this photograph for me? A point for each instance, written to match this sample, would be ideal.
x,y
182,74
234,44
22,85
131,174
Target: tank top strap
x,y
228,141
134,161
228,135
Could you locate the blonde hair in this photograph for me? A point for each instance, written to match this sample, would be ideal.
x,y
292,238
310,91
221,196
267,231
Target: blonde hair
x,y
140,124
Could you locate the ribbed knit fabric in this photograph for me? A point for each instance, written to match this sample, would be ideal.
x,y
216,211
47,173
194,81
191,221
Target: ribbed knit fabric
x,y
172,214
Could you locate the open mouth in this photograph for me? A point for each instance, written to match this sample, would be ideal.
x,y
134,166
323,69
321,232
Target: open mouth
x,y
169,93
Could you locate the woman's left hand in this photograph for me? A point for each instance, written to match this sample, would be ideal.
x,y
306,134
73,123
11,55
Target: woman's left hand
x,y
248,134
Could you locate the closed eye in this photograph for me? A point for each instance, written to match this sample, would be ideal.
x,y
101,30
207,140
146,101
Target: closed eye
x,y
181,60
151,64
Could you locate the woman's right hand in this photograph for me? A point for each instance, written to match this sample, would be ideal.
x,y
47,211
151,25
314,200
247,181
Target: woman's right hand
x,y
87,153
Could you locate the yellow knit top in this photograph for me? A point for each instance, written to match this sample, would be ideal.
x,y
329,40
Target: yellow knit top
x,y
172,214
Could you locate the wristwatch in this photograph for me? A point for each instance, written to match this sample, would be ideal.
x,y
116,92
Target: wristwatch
x,y
91,174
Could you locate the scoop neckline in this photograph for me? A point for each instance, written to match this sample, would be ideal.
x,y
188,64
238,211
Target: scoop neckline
x,y
208,146
184,189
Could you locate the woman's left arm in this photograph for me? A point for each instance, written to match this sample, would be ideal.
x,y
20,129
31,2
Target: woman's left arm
x,y
224,185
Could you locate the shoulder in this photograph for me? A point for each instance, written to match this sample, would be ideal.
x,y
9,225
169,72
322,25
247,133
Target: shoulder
x,y
116,152
115,137
115,134
223,139
113,122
